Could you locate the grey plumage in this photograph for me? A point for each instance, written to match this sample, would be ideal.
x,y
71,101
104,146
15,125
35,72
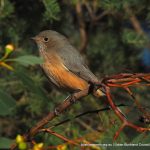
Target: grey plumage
x,y
73,60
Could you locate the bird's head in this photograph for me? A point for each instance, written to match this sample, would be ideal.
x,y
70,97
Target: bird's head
x,y
49,40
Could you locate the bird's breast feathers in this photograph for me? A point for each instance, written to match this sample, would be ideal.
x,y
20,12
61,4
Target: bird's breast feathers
x,y
60,75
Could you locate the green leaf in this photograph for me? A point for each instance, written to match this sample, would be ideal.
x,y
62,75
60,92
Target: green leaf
x,y
28,60
5,143
6,103
31,85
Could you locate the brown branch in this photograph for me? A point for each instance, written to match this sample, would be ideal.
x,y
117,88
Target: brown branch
x,y
85,113
118,81
134,20
61,108
82,27
100,16
130,81
58,135
135,100
121,117
94,17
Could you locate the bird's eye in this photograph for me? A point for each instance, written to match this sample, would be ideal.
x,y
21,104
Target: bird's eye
x,y
46,39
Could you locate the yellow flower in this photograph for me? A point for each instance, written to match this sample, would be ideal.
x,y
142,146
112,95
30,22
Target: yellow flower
x,y
10,47
62,147
19,138
38,146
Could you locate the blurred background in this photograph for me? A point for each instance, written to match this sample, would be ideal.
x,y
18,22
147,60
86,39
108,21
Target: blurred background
x,y
112,35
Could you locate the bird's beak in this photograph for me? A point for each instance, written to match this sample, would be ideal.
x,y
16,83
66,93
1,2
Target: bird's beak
x,y
33,38
36,38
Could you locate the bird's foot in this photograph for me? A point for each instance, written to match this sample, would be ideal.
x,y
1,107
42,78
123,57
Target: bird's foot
x,y
94,86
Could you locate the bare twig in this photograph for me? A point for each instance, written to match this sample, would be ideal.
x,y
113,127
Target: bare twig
x,y
118,81
82,27
94,17
85,113
121,117
134,20
62,107
58,135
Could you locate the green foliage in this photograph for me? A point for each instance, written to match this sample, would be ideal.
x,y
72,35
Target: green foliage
x,y
27,60
106,55
74,2
118,6
52,10
112,5
6,9
38,95
6,103
133,38
5,143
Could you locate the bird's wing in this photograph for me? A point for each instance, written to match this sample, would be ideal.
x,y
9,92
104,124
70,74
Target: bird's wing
x,y
75,63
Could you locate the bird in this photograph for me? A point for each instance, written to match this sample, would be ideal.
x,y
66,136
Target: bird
x,y
63,64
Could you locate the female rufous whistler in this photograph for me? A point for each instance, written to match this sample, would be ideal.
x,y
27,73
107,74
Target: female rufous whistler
x,y
63,64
